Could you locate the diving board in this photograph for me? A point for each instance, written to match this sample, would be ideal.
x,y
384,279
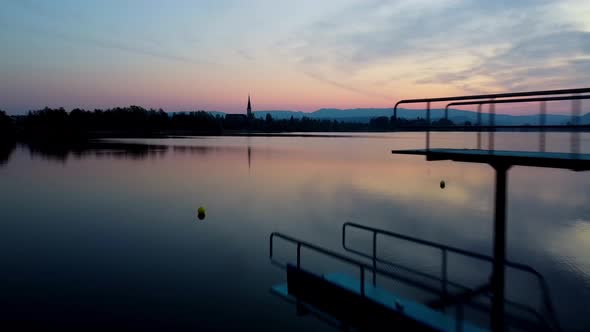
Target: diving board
x,y
340,296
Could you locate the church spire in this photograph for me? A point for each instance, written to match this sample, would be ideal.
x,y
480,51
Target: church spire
x,y
249,109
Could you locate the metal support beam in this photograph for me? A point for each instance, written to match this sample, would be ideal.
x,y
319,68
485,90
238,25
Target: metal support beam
x,y
497,315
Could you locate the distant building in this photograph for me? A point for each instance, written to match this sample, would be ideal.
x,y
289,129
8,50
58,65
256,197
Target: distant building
x,y
235,121
235,117
249,109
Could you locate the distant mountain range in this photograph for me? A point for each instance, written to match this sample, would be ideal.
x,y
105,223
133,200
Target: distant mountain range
x,y
364,115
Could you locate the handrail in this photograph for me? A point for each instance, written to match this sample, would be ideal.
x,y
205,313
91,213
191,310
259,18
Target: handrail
x,y
461,287
500,98
301,243
432,244
363,266
542,115
494,95
444,249
521,100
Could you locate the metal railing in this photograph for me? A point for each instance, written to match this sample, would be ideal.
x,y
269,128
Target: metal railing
x,y
575,146
445,250
361,265
496,95
362,268
501,98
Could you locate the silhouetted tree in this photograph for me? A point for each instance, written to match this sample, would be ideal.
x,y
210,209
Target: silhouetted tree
x,y
47,124
7,139
57,124
380,123
442,122
6,148
7,129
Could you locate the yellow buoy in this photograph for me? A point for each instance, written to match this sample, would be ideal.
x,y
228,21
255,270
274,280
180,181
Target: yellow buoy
x,y
201,213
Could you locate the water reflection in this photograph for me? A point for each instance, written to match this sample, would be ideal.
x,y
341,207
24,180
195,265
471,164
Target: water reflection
x,y
113,225
78,150
6,149
119,150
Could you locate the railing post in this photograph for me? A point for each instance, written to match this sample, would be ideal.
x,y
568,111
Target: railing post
x,y
362,281
427,126
498,278
298,255
344,236
270,249
542,118
479,126
374,258
575,139
492,127
459,318
444,275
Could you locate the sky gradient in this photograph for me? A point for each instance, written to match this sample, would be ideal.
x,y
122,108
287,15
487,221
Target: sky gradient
x,y
296,55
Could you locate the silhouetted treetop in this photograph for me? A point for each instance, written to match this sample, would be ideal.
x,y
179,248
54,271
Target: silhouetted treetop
x,y
7,127
137,121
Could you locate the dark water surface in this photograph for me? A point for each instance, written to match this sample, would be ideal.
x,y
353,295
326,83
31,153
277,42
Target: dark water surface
x,y
108,237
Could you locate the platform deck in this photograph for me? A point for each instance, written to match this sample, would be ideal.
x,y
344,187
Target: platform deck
x,y
415,311
563,160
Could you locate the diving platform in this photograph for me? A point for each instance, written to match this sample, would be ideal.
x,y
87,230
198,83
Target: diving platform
x,y
358,302
502,161
341,295
349,300
563,160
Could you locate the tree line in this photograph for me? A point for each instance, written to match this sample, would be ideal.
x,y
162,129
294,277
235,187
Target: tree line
x,y
136,121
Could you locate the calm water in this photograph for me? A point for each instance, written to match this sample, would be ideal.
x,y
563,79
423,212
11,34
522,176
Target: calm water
x,y
108,237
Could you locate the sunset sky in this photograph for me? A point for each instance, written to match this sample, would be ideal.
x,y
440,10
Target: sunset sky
x,y
293,55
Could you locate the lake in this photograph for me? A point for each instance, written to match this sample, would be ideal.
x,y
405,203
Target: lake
x,y
107,236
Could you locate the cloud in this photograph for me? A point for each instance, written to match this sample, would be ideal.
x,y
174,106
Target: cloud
x,y
245,55
110,44
350,88
36,8
120,46
482,45
555,60
46,16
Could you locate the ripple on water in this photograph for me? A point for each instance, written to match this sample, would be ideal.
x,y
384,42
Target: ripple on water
x,y
571,246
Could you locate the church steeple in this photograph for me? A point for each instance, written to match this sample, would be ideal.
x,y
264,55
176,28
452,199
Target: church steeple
x,y
249,109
